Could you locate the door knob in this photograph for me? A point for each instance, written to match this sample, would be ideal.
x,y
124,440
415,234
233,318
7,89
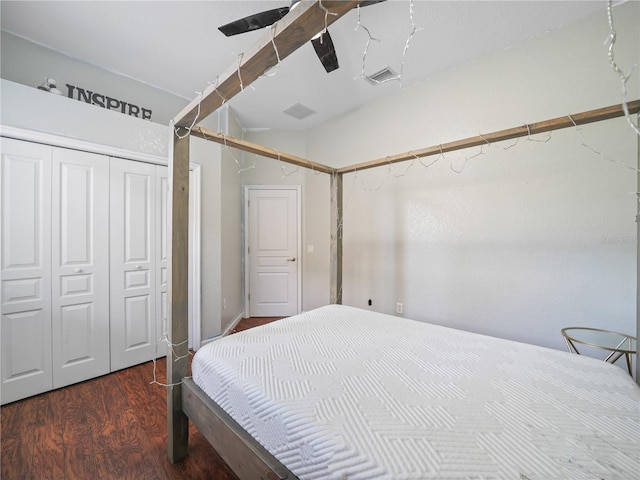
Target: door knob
x,y
291,259
77,270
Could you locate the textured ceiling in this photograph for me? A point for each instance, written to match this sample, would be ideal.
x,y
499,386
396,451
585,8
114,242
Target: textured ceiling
x,y
175,45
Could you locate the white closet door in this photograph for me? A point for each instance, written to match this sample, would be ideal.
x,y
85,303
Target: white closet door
x,y
25,176
80,266
133,257
162,195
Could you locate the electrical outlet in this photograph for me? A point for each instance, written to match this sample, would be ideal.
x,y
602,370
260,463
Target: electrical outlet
x,y
399,308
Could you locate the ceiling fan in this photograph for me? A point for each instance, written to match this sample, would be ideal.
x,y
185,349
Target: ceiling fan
x,y
322,43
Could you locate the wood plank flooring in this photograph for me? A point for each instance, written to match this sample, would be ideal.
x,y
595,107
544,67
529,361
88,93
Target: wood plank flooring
x,y
112,427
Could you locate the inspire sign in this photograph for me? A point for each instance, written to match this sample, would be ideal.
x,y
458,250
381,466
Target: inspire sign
x,y
107,102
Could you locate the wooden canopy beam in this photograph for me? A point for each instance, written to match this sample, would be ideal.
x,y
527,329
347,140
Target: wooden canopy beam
x,y
558,123
259,149
298,27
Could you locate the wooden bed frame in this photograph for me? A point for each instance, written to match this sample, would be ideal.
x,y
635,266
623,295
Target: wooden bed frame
x,y
185,401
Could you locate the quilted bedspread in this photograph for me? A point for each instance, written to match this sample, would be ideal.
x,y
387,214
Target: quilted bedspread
x,y
342,393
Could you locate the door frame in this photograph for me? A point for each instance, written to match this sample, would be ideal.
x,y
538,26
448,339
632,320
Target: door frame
x,y
246,240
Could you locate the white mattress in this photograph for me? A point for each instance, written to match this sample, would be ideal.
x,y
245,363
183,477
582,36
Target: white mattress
x,y
342,393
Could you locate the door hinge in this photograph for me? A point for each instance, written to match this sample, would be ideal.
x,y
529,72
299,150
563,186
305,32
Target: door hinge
x,y
248,296
249,250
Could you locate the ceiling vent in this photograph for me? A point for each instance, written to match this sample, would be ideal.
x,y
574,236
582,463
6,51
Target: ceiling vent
x,y
382,76
299,111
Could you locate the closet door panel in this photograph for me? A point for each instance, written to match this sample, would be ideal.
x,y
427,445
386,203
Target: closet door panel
x,y
133,256
162,196
25,206
80,266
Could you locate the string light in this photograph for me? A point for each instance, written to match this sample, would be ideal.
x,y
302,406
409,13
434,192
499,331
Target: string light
x,y
239,75
195,119
285,173
508,147
241,168
215,89
414,30
172,346
441,155
597,152
406,171
271,71
327,12
466,159
539,140
382,182
623,78
282,165
366,47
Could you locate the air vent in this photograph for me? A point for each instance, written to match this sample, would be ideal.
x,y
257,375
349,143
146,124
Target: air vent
x,y
299,111
382,76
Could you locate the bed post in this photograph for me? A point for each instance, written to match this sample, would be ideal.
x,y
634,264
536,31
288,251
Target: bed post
x,y
336,238
178,298
638,259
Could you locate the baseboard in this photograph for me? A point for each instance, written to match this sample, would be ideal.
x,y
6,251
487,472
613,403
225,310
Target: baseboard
x,y
229,328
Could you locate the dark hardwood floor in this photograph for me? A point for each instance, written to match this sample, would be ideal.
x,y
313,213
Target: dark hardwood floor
x,y
111,427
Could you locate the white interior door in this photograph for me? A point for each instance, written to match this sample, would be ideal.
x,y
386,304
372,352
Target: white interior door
x,y
273,251
80,266
25,177
133,263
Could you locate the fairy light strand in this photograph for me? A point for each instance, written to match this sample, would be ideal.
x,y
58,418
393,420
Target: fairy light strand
x,y
584,144
370,38
539,140
271,71
172,348
624,79
238,70
228,150
327,12
414,29
215,89
195,119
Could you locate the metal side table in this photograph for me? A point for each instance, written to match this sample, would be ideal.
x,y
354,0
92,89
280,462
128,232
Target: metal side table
x,y
617,344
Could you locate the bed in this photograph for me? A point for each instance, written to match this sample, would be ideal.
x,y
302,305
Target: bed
x,y
344,393
426,402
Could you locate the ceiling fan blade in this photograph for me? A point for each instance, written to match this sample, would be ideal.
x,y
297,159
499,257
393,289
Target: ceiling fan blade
x,y
254,22
326,52
366,3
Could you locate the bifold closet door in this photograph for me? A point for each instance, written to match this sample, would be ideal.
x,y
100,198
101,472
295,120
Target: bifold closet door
x,y
25,177
133,263
162,251
80,266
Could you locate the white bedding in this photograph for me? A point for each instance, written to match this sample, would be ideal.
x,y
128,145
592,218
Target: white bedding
x,y
342,393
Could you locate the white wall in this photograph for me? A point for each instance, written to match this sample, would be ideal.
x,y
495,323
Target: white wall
x,y
524,241
27,63
231,231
